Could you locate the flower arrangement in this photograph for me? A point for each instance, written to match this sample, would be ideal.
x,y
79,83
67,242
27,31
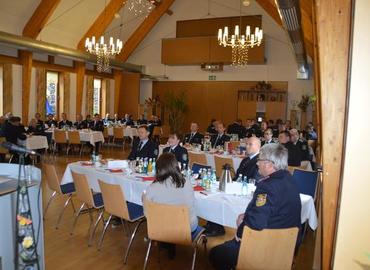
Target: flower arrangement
x,y
306,100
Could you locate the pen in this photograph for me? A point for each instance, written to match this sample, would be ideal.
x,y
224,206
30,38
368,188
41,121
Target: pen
x,y
201,192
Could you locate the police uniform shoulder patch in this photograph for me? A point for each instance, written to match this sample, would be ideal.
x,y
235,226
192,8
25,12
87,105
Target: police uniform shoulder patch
x,y
261,199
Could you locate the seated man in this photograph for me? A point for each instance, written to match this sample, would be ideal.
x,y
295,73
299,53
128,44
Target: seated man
x,y
220,138
284,139
35,129
143,147
127,120
194,136
39,122
237,128
64,122
97,124
87,121
13,132
248,166
142,120
51,121
212,127
299,148
267,135
79,124
180,152
275,204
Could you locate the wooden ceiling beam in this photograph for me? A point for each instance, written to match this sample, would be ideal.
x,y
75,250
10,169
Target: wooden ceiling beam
x,y
39,18
271,10
138,36
101,23
156,3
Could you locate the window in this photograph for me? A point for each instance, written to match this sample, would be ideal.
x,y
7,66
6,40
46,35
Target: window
x,y
51,92
97,95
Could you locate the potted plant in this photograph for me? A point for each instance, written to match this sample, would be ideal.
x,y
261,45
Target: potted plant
x,y
176,107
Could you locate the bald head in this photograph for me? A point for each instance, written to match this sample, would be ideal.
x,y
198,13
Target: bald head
x,y
253,145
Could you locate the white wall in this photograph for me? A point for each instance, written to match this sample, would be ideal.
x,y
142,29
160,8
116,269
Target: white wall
x,y
146,88
352,250
280,64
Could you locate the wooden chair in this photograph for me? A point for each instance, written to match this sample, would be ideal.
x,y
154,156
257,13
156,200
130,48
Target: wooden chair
x,y
107,138
53,182
60,138
74,140
87,198
118,134
199,158
160,220
115,204
269,249
220,162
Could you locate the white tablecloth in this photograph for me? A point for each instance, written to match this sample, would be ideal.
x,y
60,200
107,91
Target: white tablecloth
x,y
216,206
87,136
35,142
127,132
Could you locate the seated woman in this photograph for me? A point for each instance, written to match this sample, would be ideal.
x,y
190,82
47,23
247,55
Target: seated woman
x,y
170,187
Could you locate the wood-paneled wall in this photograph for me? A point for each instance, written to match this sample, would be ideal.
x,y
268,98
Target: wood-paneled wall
x,y
207,99
7,88
129,95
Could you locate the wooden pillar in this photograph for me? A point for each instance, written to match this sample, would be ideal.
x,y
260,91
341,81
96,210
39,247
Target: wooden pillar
x,y
80,76
66,94
333,24
89,95
41,91
26,60
7,88
117,75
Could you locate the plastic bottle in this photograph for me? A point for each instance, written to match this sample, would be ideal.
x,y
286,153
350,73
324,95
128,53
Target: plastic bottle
x,y
240,178
150,166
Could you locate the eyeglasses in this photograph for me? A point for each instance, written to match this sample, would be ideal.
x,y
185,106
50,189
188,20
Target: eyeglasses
x,y
265,160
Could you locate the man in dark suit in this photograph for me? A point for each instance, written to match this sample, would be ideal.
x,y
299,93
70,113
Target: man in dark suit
x,y
97,124
87,121
294,158
142,120
248,166
275,204
39,122
143,147
51,121
220,138
35,129
13,132
64,122
300,147
194,137
127,120
237,128
79,124
212,127
175,148
267,135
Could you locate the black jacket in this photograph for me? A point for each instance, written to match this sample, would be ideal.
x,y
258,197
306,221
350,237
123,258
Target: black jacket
x,y
97,126
149,150
235,128
197,138
80,124
127,122
248,167
13,133
38,130
51,122
297,153
221,141
62,123
180,153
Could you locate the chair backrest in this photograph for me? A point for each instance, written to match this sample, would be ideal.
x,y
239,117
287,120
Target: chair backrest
x,y
220,162
60,136
114,200
105,133
2,149
157,131
83,191
199,158
52,178
118,132
269,249
306,181
196,167
292,168
306,165
74,137
168,223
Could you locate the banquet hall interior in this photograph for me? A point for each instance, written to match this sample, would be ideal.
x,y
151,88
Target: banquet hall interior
x,y
184,134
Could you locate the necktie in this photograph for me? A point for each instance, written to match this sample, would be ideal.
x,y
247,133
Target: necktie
x,y
140,145
218,137
191,137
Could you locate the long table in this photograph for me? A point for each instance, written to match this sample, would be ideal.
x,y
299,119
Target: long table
x,y
127,131
87,136
216,206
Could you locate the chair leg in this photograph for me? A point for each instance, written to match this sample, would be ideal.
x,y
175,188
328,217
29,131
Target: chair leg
x,y
62,211
132,239
76,217
147,254
73,205
194,257
103,232
81,147
48,204
95,226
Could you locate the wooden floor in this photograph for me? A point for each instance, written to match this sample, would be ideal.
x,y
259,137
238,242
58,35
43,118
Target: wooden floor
x,y
65,252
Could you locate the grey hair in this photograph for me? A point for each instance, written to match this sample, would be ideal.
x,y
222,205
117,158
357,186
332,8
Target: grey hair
x,y
277,154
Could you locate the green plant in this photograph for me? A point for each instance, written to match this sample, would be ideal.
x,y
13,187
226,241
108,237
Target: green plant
x,y
176,107
306,100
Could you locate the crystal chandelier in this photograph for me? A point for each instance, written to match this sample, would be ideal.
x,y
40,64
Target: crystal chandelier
x,y
140,6
103,51
239,56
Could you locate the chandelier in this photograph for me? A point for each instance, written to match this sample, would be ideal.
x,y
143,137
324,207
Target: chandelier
x,y
239,56
141,6
103,51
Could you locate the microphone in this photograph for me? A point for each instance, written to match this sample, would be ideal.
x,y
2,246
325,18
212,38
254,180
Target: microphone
x,y
15,148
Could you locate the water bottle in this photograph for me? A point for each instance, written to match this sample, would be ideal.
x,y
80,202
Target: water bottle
x,y
204,178
240,178
153,167
245,179
150,166
244,188
214,177
145,167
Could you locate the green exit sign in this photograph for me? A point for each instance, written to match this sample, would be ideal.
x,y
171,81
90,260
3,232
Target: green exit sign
x,y
212,77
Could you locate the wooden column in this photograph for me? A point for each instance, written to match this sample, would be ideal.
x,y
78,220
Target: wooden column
x,y
333,20
7,88
117,75
67,90
41,91
80,76
89,95
26,59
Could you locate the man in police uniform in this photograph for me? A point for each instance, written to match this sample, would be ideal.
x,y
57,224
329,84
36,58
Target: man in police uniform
x,y
194,137
180,152
248,166
300,147
275,204
267,135
220,138
143,147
